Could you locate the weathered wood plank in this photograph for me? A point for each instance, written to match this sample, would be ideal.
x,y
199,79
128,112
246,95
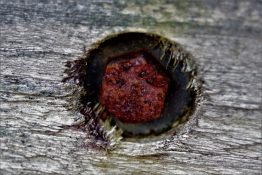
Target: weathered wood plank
x,y
38,37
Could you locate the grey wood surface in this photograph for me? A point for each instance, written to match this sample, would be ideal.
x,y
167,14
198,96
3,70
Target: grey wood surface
x,y
38,37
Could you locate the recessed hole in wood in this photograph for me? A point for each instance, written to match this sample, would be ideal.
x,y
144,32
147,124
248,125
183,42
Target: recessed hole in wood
x,y
132,85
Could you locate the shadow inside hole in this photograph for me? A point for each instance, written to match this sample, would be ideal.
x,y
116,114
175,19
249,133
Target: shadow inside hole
x,y
167,54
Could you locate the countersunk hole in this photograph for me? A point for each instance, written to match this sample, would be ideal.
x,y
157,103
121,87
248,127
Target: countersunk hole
x,y
133,85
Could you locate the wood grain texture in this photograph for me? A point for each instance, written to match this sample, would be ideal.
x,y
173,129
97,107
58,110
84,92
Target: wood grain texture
x,y
38,37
